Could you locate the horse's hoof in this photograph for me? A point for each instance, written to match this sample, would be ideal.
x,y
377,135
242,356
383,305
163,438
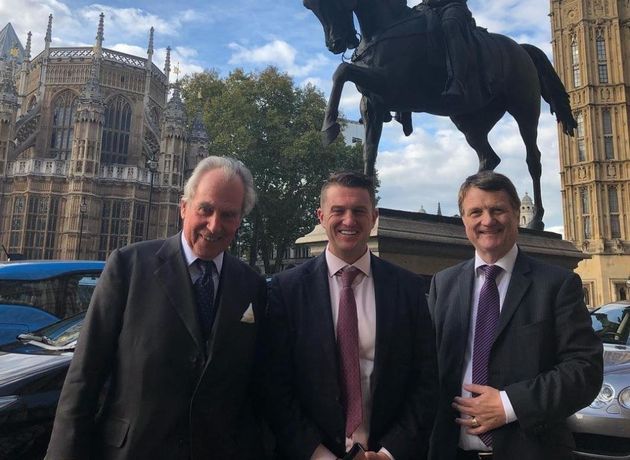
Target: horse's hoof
x,y
330,134
536,224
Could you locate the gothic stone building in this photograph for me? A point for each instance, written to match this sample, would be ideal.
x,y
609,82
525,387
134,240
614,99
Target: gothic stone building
x,y
591,47
92,153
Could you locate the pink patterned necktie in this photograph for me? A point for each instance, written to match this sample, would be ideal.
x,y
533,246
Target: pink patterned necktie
x,y
348,343
485,329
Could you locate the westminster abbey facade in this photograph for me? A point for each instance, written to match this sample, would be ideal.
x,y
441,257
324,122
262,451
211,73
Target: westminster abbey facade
x,y
93,153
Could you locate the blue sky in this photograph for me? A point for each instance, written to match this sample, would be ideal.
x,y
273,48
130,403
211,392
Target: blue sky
x,y
415,171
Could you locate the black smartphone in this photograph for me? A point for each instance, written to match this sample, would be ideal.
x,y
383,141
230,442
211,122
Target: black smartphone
x,y
352,453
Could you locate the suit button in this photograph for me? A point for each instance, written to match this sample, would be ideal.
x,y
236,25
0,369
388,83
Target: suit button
x,y
338,440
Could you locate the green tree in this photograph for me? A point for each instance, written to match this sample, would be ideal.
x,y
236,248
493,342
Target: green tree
x,y
272,126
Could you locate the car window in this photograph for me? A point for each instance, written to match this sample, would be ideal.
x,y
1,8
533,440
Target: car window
x,y
612,324
62,296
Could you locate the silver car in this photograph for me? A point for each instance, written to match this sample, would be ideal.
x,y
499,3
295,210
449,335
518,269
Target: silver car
x,y
602,430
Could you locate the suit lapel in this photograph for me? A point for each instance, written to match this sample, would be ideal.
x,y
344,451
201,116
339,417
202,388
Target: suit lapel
x,y
174,278
519,283
232,302
465,290
385,294
317,300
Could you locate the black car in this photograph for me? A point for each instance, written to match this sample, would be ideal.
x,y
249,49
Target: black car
x,y
32,372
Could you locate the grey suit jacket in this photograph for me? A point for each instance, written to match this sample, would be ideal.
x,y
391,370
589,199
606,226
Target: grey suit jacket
x,y
545,356
301,383
163,398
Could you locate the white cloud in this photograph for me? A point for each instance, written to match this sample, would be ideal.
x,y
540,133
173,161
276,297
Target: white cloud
x,y
278,53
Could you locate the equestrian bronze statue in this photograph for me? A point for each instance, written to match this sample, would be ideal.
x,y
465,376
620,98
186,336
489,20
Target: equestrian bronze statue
x,y
401,65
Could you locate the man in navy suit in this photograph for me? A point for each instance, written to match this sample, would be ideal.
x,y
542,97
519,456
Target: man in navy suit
x,y
318,407
507,385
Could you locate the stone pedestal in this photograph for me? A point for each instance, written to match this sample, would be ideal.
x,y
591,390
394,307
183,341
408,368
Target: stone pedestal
x,y
426,243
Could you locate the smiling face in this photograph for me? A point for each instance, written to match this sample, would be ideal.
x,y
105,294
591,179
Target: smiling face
x,y
213,215
491,222
348,215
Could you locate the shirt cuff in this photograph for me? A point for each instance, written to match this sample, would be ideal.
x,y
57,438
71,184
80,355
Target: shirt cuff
x,y
386,452
510,415
322,453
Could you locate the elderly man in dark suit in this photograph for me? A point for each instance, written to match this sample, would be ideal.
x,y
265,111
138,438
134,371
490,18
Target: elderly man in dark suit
x,y
516,350
170,340
351,347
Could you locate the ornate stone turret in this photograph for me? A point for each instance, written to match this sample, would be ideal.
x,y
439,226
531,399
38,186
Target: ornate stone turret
x,y
527,210
90,114
8,113
197,145
167,64
174,139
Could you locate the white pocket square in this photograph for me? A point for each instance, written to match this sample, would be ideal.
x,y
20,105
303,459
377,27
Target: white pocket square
x,y
248,316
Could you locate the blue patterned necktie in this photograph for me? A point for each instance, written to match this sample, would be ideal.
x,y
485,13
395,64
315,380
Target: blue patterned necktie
x,y
204,293
485,329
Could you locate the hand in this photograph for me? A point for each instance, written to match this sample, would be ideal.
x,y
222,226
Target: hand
x,y
486,409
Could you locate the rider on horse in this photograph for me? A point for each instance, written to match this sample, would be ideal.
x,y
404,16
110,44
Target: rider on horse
x,y
457,22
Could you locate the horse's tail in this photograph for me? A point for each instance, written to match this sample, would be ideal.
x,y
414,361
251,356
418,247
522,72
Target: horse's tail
x,y
552,89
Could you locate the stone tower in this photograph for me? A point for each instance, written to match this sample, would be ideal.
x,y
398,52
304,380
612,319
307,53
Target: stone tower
x,y
591,46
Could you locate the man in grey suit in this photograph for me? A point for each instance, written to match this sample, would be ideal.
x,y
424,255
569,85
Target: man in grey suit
x,y
351,347
165,364
516,350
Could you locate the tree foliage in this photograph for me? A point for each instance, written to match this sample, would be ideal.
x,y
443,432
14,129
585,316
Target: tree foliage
x,y
272,126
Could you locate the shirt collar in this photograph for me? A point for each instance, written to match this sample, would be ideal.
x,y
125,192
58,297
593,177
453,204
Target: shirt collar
x,y
191,257
335,264
506,262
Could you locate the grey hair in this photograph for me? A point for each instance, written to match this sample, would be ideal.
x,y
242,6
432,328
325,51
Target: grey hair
x,y
232,167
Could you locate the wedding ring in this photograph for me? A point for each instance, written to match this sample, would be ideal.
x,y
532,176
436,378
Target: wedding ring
x,y
475,423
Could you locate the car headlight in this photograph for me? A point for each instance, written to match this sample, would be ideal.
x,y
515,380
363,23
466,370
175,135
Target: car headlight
x,y
624,397
606,394
7,401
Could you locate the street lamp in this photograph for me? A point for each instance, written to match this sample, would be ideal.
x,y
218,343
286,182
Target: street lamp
x,y
82,212
152,164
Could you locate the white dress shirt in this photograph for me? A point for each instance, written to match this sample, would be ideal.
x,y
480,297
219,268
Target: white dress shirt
x,y
468,441
363,287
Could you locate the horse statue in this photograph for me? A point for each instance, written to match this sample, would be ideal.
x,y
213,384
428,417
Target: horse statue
x,y
399,66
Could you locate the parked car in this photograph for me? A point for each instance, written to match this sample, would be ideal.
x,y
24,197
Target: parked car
x,y
36,293
32,371
602,430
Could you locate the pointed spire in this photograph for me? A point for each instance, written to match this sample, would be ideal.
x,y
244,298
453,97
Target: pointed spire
x,y
150,49
48,38
439,211
167,62
175,112
27,51
99,33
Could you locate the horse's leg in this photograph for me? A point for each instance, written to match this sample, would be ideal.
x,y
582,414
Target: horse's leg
x,y
404,118
524,106
372,113
369,79
475,126
528,127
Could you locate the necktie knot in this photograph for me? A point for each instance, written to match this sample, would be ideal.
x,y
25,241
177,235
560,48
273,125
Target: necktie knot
x,y
348,274
491,271
207,267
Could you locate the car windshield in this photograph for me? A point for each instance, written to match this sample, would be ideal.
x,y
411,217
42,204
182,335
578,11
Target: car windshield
x,y
62,334
62,296
612,323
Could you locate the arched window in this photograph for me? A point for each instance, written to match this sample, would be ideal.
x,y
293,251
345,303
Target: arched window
x,y
581,146
116,131
602,65
63,111
575,62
